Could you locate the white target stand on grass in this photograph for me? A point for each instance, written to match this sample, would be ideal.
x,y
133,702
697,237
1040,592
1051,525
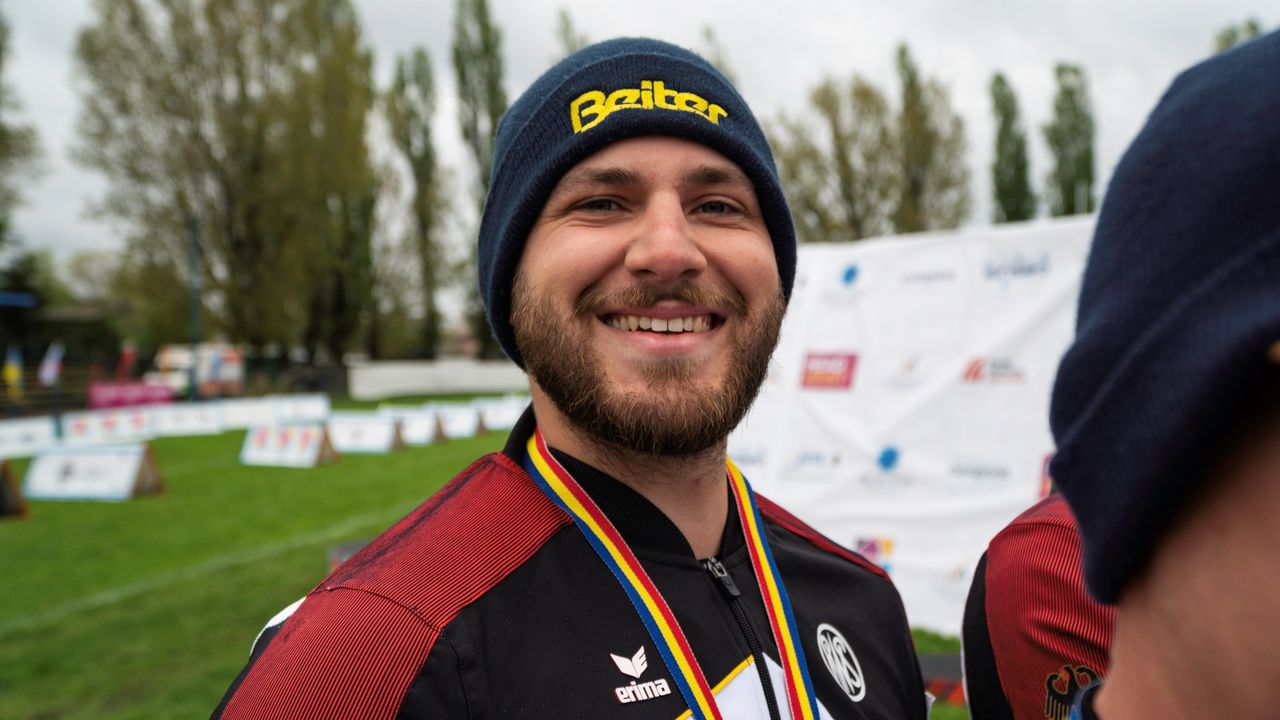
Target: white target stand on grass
x,y
300,446
112,473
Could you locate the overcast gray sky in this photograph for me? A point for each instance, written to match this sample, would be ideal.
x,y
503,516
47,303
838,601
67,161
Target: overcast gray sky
x,y
1130,49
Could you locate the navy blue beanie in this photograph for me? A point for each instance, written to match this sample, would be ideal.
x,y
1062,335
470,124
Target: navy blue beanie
x,y
1179,304
599,95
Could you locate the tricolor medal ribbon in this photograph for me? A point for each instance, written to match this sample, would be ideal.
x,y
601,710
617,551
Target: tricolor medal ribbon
x,y
668,637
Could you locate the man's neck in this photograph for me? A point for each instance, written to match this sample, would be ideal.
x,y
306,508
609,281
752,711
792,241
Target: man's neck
x,y
689,490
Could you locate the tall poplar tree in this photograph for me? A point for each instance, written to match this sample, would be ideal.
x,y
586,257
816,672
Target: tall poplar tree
x,y
1010,176
477,65
1069,188
410,105
934,191
19,146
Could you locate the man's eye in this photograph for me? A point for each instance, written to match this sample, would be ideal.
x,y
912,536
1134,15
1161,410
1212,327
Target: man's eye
x,y
597,205
717,207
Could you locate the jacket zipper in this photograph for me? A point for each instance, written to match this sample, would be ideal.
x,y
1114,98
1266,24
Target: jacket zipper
x,y
730,589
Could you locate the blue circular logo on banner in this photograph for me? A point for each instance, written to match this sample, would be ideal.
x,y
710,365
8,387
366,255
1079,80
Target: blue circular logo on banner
x,y
888,459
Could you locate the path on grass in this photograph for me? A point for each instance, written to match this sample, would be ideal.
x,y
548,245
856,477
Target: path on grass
x,y
378,519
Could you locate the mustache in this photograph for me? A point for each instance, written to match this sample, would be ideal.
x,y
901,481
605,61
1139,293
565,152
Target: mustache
x,y
643,295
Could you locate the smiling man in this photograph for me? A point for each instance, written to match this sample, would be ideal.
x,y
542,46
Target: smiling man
x,y
636,256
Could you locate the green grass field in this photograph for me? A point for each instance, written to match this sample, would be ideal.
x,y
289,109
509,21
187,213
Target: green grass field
x,y
146,609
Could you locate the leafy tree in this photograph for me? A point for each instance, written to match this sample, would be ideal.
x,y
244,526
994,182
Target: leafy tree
x,y
841,177
1232,35
1069,134
571,41
1010,180
19,147
410,104
931,146
477,64
251,119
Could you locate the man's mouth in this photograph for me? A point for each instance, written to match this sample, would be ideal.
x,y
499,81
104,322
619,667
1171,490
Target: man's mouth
x,y
688,323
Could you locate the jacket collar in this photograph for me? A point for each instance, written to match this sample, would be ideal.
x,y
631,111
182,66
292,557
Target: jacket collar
x,y
639,521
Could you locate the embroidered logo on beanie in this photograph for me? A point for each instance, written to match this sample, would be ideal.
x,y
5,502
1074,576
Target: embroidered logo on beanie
x,y
651,95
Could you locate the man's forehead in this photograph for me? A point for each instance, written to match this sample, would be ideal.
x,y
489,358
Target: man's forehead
x,y
639,161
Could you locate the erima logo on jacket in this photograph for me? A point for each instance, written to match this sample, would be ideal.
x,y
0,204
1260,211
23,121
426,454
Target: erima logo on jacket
x,y
593,106
635,666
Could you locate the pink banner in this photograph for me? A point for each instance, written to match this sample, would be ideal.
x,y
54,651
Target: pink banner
x,y
114,394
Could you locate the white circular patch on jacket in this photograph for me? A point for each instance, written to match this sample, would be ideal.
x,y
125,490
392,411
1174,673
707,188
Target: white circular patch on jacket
x,y
841,662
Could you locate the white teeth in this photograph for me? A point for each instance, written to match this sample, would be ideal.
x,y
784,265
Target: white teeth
x,y
696,323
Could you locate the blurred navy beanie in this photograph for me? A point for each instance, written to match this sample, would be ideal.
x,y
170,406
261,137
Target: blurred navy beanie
x,y
599,95
1180,301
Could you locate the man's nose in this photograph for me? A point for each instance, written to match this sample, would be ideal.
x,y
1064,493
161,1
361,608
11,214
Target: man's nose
x,y
664,249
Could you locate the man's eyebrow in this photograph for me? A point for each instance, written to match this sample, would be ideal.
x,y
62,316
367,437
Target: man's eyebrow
x,y
597,177
718,175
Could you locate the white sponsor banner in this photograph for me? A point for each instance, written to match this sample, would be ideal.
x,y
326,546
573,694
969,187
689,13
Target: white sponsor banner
x,y
103,472
107,426
458,420
501,413
24,437
364,432
300,408
905,414
199,418
241,413
418,426
302,445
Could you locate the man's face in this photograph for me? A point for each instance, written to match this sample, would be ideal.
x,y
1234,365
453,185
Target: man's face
x,y
647,302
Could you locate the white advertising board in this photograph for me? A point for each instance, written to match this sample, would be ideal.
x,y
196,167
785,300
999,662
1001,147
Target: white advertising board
x,y
303,445
501,413
364,433
105,427
905,414
458,420
241,413
101,472
300,408
200,418
417,426
24,437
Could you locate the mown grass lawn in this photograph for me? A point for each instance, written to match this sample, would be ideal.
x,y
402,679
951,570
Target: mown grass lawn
x,y
146,609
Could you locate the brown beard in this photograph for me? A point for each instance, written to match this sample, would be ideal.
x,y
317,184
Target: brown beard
x,y
679,418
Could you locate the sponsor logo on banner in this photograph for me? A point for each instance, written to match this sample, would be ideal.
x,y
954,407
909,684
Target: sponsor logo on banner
x,y
754,455
887,476
849,275
878,549
814,460
829,371
979,477
844,282
928,277
993,370
1016,267
906,375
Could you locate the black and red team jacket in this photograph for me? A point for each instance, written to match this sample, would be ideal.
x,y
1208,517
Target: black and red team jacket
x,y
488,602
1033,637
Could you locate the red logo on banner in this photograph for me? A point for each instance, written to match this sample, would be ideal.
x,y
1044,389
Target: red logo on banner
x,y
995,370
830,371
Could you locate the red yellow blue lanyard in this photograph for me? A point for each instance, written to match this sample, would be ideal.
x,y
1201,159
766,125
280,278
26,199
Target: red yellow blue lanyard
x,y
661,623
